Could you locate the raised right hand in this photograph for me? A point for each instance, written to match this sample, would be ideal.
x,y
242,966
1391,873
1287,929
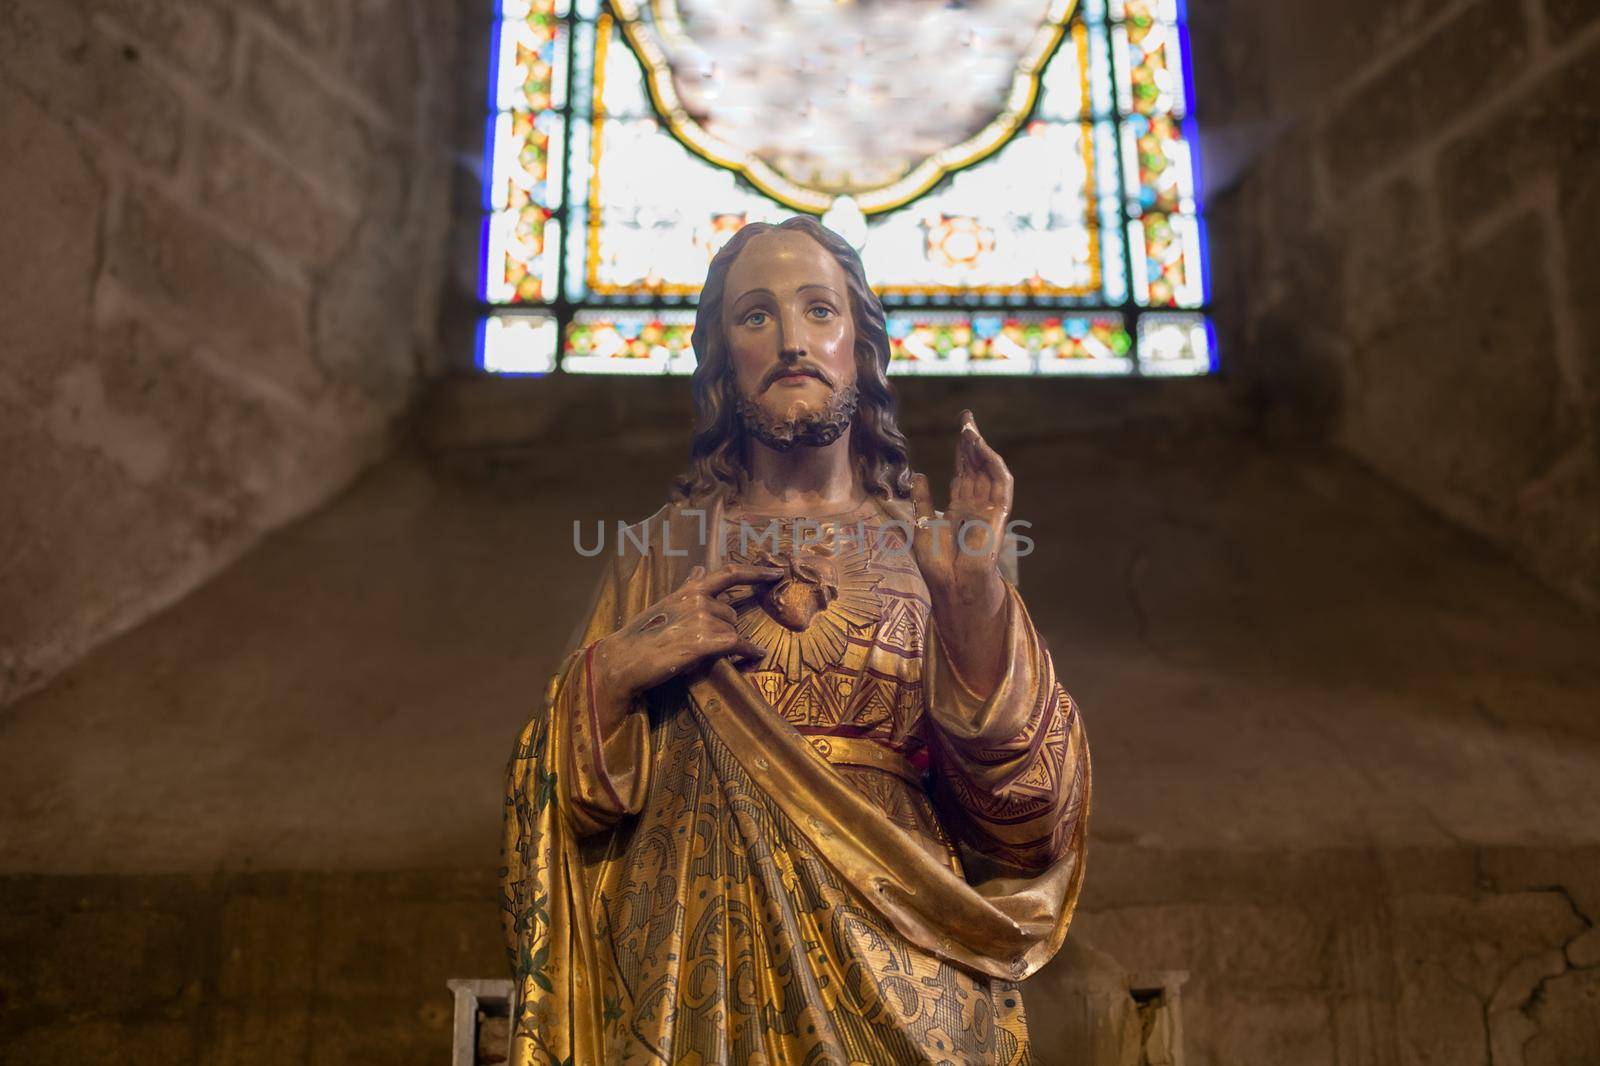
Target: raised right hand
x,y
682,629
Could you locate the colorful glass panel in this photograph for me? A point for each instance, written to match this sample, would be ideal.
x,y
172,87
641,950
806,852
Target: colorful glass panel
x,y
522,235
1039,256
1012,343
630,342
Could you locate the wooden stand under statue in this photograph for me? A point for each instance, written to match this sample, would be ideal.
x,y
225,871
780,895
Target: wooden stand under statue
x,y
806,787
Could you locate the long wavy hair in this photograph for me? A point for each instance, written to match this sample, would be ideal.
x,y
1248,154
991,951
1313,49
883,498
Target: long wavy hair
x,y
719,451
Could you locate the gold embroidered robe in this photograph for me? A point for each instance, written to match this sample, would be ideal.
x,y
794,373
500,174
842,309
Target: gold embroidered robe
x,y
759,865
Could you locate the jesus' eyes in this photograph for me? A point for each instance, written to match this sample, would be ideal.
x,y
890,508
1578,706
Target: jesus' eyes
x,y
757,319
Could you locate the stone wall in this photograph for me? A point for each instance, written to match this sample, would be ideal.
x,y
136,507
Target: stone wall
x,y
1337,957
1405,202
1438,956
221,232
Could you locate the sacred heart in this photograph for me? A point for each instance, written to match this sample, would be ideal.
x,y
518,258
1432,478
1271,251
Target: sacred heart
x,y
818,100
810,584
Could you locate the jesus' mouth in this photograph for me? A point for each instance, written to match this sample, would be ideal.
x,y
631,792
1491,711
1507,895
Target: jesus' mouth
x,y
793,375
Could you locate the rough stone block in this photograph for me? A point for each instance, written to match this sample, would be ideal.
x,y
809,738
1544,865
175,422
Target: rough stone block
x,y
1566,1021
442,30
1387,243
1564,18
440,939
267,950
41,42
1478,945
1557,534
42,314
1288,187
1259,947
360,337
1282,58
60,584
1578,196
1431,870
1453,69
317,23
171,461
1465,409
80,414
228,452
1467,61
157,960
1227,39
1554,128
395,1030
1440,1024
91,73
1584,952
153,1043
1376,125
225,297
1574,871
318,131
195,37
382,58
129,103
263,1032
269,200
1468,966
1276,1030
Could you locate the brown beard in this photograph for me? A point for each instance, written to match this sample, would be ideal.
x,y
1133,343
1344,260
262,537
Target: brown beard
x,y
812,429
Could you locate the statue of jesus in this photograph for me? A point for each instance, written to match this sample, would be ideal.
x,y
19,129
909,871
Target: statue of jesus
x,y
806,788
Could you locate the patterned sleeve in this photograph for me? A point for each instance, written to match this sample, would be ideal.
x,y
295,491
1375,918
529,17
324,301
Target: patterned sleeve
x,y
599,779
604,776
1010,772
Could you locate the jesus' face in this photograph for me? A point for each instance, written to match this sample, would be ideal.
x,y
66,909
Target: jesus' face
x,y
791,340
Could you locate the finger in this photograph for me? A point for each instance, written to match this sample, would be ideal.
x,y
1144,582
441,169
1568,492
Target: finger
x,y
749,649
723,612
960,493
969,486
695,574
985,457
922,542
739,574
971,470
726,640
996,473
969,437
921,496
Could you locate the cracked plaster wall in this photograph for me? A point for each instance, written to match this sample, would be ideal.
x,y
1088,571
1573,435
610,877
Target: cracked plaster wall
x,y
221,233
1414,957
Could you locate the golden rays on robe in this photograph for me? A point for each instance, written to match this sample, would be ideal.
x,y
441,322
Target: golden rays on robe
x,y
839,854
805,620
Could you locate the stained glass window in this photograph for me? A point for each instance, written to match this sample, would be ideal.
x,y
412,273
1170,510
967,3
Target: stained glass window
x,y
1018,175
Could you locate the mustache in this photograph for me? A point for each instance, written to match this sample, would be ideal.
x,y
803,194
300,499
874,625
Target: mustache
x,y
785,369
